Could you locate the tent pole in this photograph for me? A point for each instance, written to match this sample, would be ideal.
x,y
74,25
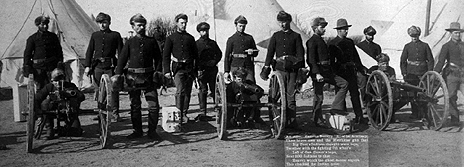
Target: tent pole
x,y
427,18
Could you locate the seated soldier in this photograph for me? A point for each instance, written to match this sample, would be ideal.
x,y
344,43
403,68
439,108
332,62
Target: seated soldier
x,y
383,65
57,96
243,91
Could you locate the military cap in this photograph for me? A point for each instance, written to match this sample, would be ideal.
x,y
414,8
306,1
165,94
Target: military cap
x,y
382,57
240,72
42,19
414,31
284,16
102,17
455,26
202,26
57,74
240,19
181,16
318,21
370,31
137,18
342,23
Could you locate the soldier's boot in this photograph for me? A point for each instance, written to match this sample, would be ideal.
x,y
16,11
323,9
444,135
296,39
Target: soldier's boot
x,y
186,107
136,118
153,117
202,98
291,118
75,129
49,124
115,107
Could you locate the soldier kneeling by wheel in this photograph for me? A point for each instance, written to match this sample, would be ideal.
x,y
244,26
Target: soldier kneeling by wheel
x,y
241,91
59,99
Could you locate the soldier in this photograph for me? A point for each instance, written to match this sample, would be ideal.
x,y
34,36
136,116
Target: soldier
x,y
143,57
319,61
372,49
347,64
240,51
49,98
209,56
453,53
184,52
100,57
383,64
42,54
415,60
288,49
368,45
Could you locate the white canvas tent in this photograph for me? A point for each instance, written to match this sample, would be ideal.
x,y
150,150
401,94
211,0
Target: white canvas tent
x,y
72,25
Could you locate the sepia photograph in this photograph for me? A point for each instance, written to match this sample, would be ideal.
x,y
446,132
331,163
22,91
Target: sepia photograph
x,y
219,83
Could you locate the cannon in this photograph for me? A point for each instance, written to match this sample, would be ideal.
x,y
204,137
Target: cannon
x,y
384,96
276,105
64,107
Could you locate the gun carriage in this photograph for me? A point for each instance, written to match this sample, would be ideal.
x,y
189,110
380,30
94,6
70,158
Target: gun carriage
x,y
385,96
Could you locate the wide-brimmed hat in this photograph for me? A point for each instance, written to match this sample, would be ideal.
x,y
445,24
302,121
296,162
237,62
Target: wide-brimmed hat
x,y
342,23
455,26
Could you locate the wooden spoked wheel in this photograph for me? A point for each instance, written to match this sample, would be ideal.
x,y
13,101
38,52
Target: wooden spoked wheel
x,y
221,106
105,108
30,129
379,100
437,98
278,101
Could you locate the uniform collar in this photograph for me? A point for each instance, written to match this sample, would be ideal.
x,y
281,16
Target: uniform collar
x,y
287,32
106,31
240,33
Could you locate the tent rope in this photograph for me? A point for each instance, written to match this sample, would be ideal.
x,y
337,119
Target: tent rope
x,y
22,26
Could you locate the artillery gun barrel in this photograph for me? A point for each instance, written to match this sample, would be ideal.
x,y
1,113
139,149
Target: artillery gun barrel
x,y
407,86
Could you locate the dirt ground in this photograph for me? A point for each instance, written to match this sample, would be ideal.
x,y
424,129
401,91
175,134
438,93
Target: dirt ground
x,y
407,143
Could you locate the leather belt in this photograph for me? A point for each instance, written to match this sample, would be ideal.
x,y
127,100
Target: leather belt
x,y
180,61
415,63
239,55
140,70
39,60
324,63
103,59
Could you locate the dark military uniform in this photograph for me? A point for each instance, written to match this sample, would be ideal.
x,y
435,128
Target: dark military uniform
x,y
347,64
207,50
415,61
101,57
319,61
371,48
453,53
286,45
184,52
144,58
42,54
235,55
46,102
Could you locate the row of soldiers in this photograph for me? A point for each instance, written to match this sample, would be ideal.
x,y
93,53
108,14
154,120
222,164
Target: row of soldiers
x,y
184,59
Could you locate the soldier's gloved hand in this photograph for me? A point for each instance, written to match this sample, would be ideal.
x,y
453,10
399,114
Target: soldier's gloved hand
x,y
26,71
265,72
115,78
168,75
227,77
319,78
86,71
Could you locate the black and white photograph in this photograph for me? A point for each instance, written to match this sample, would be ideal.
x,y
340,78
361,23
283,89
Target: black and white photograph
x,y
246,83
